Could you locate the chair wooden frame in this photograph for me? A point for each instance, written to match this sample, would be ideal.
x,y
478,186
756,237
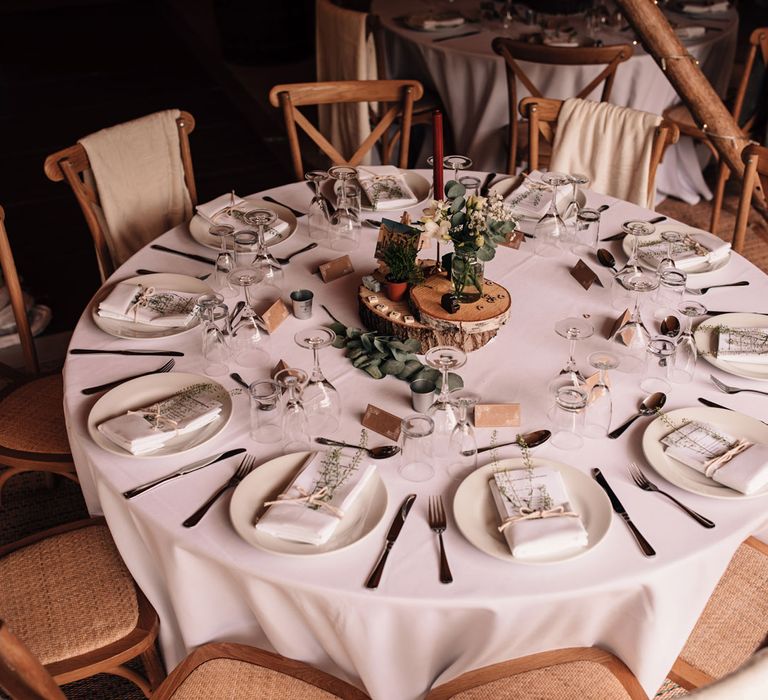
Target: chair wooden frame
x,y
21,674
110,658
258,657
755,168
758,41
72,165
513,51
542,114
398,95
533,662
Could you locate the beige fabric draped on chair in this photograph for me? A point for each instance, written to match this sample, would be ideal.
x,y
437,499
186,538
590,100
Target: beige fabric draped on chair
x,y
345,51
612,145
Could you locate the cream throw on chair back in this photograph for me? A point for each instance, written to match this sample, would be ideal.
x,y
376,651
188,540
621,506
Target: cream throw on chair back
x,y
139,176
610,144
344,52
750,682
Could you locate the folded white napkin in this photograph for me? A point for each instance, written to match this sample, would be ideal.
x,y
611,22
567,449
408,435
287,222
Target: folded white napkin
x,y
149,428
702,9
136,303
300,522
216,212
694,250
386,186
433,21
690,32
697,444
539,537
748,345
533,197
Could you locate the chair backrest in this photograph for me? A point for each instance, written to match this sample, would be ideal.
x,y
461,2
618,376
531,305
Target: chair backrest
x,y
398,94
542,115
755,180
758,44
11,277
72,165
21,674
750,682
216,670
603,674
513,51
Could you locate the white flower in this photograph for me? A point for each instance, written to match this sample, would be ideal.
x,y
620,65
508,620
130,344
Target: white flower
x,y
436,229
475,201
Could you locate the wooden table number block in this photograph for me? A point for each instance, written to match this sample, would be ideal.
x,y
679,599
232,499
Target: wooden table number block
x,y
381,422
333,269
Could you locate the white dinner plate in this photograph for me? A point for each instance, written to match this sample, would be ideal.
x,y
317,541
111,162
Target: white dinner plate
x,y
704,237
145,391
418,21
420,186
267,481
685,477
162,280
706,344
199,226
507,186
478,518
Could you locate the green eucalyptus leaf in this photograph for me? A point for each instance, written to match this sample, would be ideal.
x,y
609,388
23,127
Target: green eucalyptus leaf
x,y
485,253
367,342
398,355
392,367
454,189
454,381
458,204
338,328
354,332
339,342
374,371
355,353
380,344
412,345
360,360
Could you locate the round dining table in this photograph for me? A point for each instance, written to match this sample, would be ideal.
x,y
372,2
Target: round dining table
x,y
208,583
471,82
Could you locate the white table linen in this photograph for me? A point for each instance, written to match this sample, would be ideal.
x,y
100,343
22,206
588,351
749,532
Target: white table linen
x,y
208,584
471,82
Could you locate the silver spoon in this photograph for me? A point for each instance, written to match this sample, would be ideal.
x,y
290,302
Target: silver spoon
x,y
606,259
239,380
537,437
141,271
704,290
375,452
670,326
287,258
649,407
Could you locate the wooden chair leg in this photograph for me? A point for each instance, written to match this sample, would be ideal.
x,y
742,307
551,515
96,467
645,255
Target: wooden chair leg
x,y
7,474
723,173
153,667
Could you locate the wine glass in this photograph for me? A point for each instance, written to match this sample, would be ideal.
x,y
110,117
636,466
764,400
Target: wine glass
x,y
572,329
599,404
670,238
443,411
214,338
574,207
453,162
550,229
341,174
318,215
321,399
636,230
225,259
416,442
296,435
471,185
270,271
686,352
250,341
586,231
463,443
345,222
636,282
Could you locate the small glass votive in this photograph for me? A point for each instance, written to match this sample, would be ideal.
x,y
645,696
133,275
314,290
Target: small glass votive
x,y
568,418
659,362
422,394
266,414
586,231
301,303
471,185
416,447
670,293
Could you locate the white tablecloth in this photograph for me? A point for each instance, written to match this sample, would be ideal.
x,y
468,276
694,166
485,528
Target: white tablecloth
x,y
208,584
471,81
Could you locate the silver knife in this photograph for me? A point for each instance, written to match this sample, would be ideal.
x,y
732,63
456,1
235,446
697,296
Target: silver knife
x,y
130,493
616,503
394,531
159,353
712,404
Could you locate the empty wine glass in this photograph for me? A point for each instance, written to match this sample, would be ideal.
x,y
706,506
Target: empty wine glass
x,y
574,207
635,230
321,399
586,231
250,341
463,443
416,441
271,280
670,292
341,174
638,282
225,259
568,418
671,238
244,247
550,230
214,316
345,222
453,162
318,216
599,404
443,411
686,352
296,435
471,185
572,329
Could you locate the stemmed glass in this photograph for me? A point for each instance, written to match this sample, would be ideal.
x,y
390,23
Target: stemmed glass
x,y
463,443
345,222
636,282
318,215
550,230
670,238
296,435
573,208
636,230
270,271
249,337
600,405
686,352
444,411
572,329
215,347
455,162
225,260
321,399
342,174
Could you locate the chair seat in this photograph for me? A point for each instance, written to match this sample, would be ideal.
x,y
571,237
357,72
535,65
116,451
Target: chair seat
x,y
243,680
428,103
68,594
32,417
681,115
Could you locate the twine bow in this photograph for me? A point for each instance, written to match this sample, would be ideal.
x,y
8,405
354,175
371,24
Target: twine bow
x,y
141,300
527,513
314,498
712,465
155,418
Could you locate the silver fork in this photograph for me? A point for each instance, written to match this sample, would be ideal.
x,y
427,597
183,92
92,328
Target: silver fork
x,y
167,367
733,389
245,468
704,290
437,524
642,481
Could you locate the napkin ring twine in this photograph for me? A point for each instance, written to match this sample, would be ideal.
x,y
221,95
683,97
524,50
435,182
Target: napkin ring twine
x,y
141,299
527,513
314,498
712,465
154,417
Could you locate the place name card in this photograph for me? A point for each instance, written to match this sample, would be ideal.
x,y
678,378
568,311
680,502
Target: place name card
x,y
275,315
591,381
279,367
626,335
497,415
584,275
514,239
381,422
333,269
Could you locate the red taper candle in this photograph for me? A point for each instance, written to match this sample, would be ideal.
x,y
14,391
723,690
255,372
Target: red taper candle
x,y
437,154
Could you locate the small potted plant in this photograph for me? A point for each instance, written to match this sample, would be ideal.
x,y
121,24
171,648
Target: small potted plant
x,y
399,255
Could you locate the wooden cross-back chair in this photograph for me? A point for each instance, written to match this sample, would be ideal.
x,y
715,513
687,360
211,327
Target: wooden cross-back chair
x,y
755,179
542,114
683,119
398,94
72,165
513,51
33,434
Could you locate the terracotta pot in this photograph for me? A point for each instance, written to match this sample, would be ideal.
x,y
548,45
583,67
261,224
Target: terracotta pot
x,y
395,291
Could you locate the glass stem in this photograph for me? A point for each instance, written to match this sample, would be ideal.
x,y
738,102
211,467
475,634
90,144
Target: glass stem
x,y
444,386
317,373
571,352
